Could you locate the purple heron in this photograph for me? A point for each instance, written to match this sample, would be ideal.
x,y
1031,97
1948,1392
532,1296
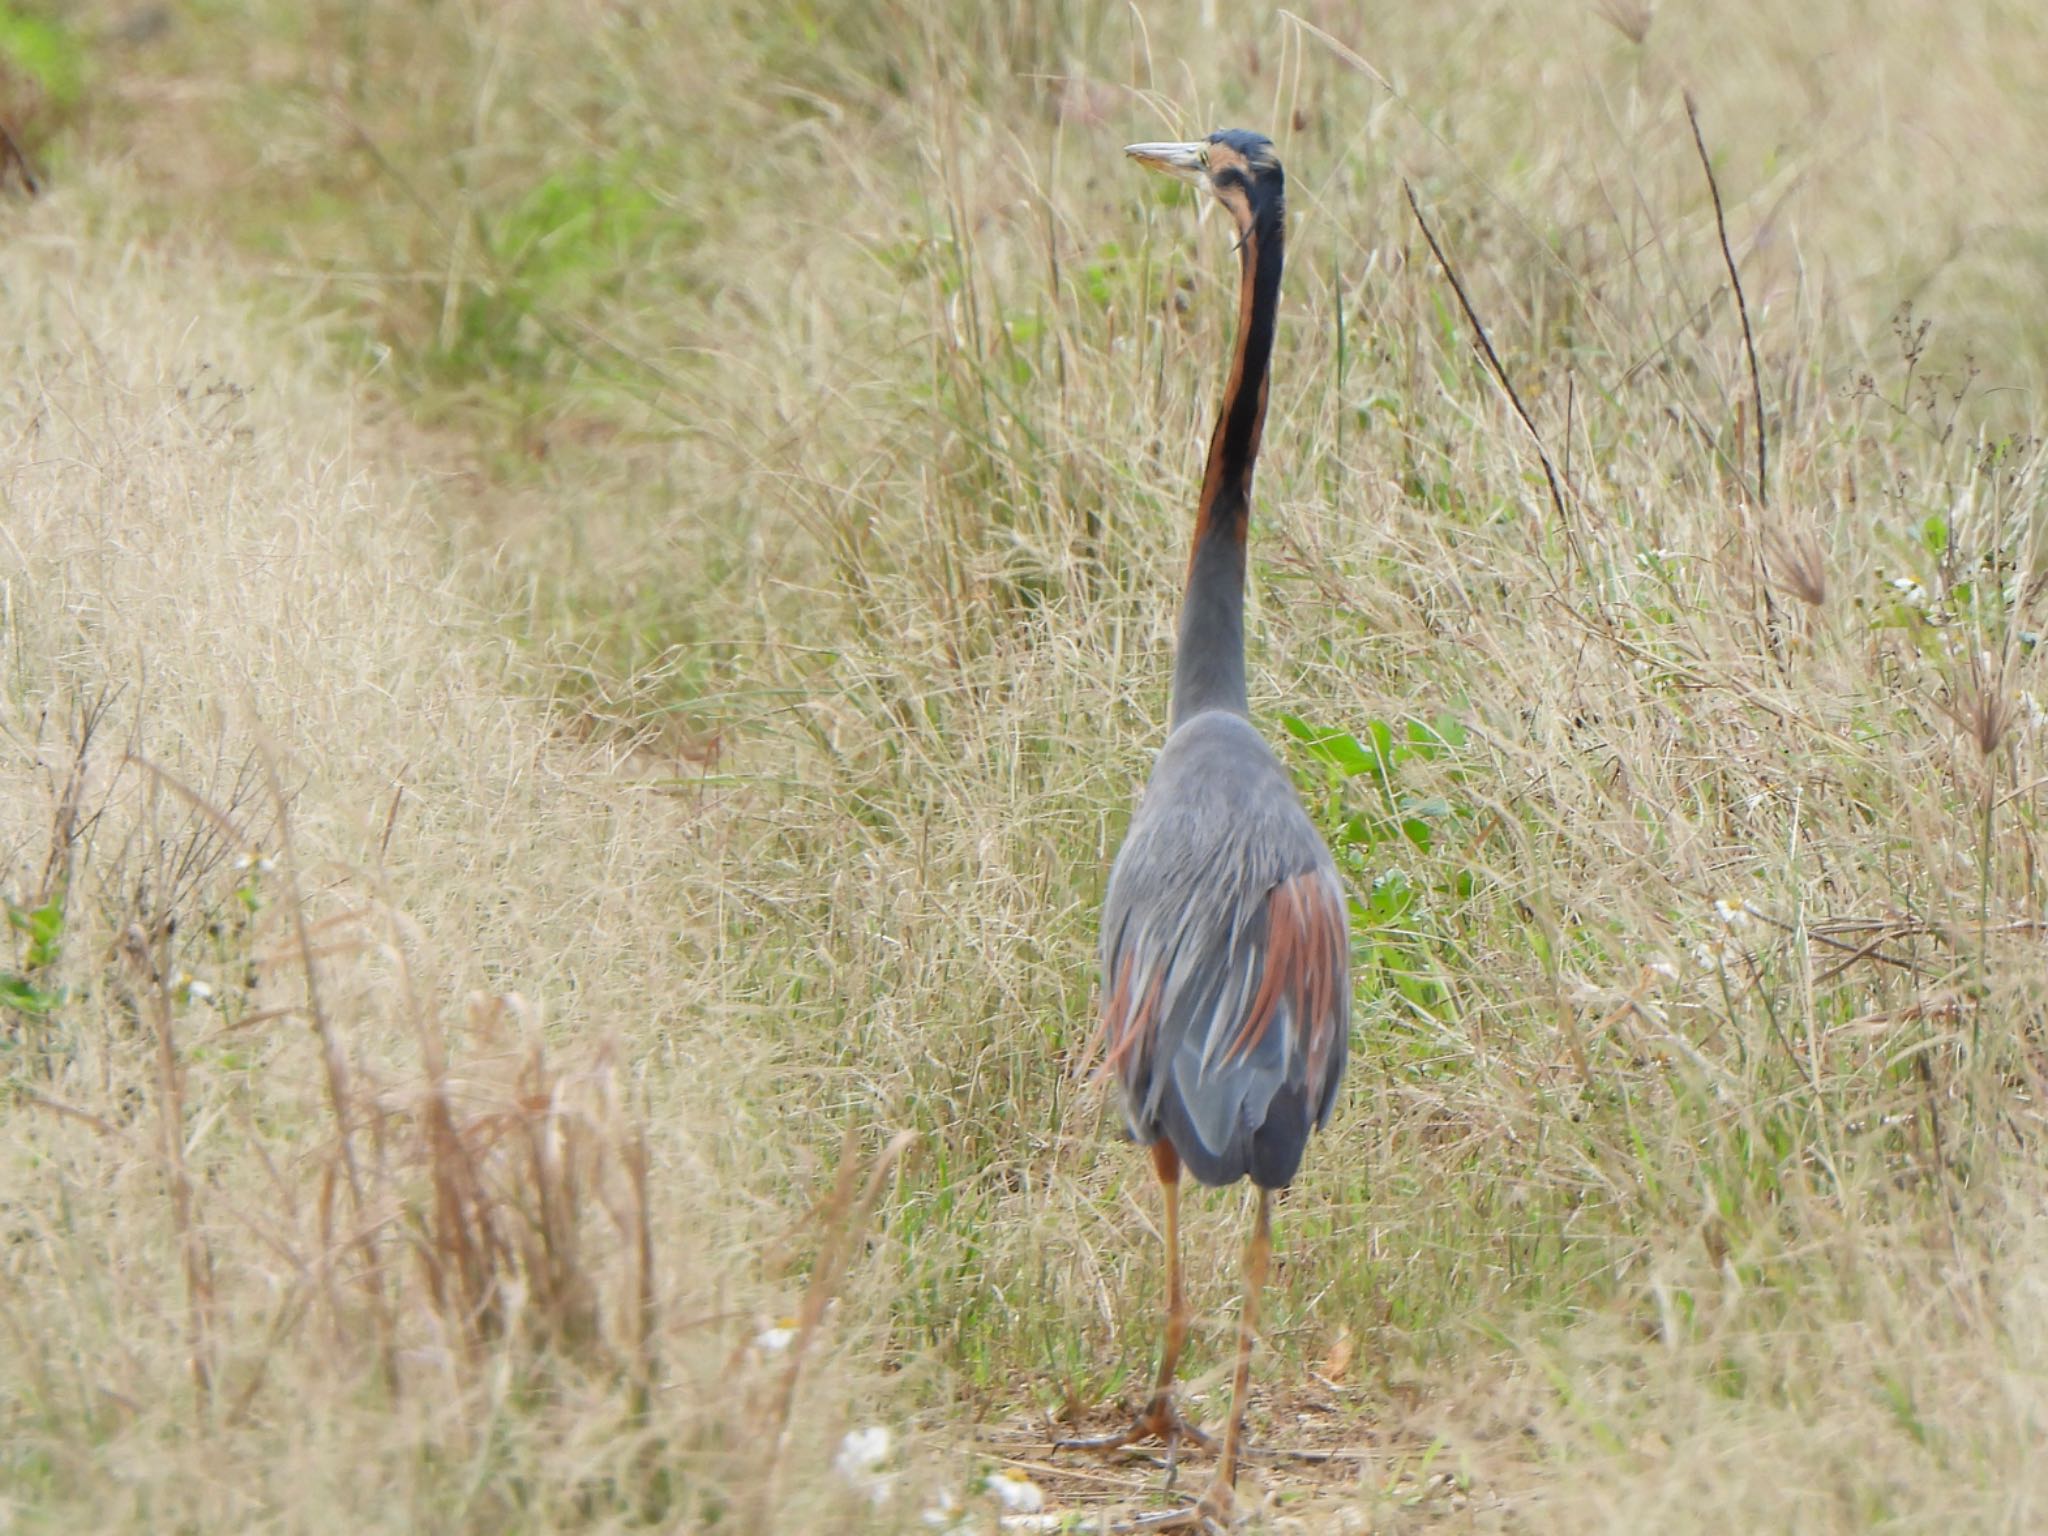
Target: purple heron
x,y
1225,950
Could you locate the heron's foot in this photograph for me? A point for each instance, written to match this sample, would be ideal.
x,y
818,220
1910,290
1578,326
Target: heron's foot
x,y
1214,1515
1218,1507
1160,1420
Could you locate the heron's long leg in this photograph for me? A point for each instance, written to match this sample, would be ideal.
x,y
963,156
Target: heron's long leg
x,y
1216,1502
1213,1514
1161,1418
1166,1163
1162,1415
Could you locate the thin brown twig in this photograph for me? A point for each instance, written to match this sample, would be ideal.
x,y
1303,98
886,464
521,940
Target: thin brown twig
x,y
249,1021
334,1060
1873,950
64,827
390,822
194,1254
1500,373
148,953
1695,675
67,1111
843,1218
282,1325
645,1298
30,182
1774,630
1756,387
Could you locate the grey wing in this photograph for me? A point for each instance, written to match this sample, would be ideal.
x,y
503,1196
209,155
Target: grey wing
x,y
1226,963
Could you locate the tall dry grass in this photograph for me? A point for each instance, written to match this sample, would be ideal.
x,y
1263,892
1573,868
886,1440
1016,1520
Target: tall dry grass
x,y
340,1182
1689,1171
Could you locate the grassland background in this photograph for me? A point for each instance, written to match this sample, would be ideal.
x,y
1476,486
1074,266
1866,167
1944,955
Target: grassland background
x,y
677,511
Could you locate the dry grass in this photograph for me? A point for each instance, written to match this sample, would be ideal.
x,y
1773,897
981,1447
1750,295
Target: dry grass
x,y
1689,1176
330,1184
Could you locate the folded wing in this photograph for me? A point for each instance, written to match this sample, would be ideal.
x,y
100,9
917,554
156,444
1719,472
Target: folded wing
x,y
1227,1017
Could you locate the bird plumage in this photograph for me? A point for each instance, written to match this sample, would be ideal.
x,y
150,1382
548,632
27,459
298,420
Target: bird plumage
x,y
1224,960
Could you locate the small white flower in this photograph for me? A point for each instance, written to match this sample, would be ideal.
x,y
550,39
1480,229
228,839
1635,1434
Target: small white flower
x,y
773,1341
1709,954
1909,590
190,988
944,1513
1662,968
1018,1495
861,1451
1733,914
261,863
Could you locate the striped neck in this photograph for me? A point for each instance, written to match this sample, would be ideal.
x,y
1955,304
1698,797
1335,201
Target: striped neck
x,y
1208,665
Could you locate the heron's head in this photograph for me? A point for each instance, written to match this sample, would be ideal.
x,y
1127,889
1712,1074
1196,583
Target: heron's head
x,y
1235,166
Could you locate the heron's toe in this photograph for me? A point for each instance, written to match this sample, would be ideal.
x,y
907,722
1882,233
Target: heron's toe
x,y
1217,1511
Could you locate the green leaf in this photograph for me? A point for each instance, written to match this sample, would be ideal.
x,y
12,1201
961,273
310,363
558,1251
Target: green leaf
x,y
1934,534
1356,831
45,930
24,996
1339,749
1392,896
45,52
1383,746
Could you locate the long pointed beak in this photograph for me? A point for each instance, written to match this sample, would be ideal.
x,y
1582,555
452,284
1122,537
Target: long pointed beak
x,y
1182,160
